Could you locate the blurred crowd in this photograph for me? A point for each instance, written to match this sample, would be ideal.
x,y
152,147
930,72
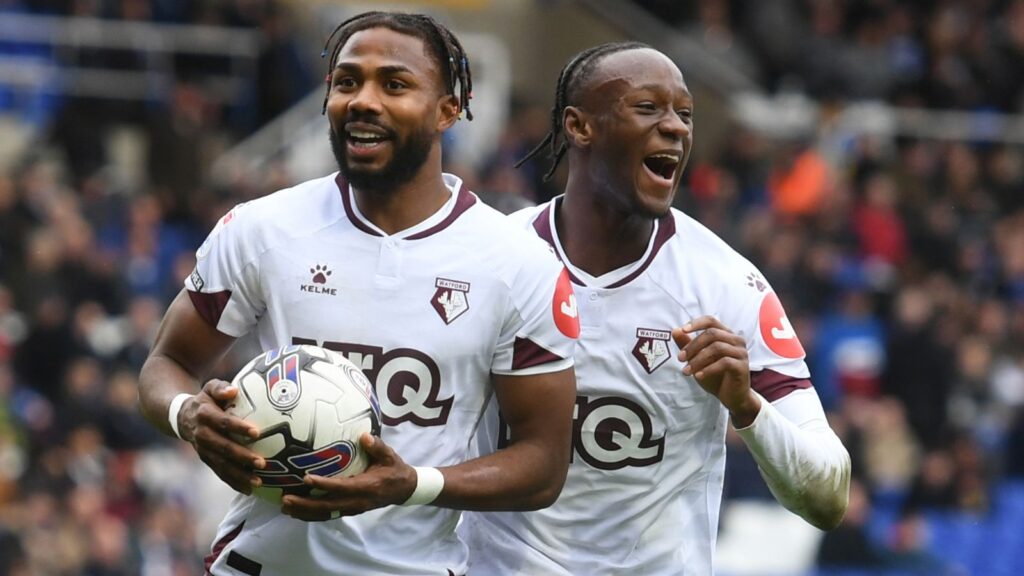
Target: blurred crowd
x,y
900,262
937,54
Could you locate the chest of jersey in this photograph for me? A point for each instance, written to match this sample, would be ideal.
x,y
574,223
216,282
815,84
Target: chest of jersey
x,y
420,318
633,401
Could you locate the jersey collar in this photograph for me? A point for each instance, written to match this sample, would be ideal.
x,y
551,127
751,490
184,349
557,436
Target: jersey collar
x,y
460,201
544,224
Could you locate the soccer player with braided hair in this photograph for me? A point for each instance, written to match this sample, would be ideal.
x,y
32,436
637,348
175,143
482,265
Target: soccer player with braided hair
x,y
680,336
444,303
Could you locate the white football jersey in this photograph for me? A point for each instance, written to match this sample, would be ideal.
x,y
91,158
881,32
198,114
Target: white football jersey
x,y
428,313
648,457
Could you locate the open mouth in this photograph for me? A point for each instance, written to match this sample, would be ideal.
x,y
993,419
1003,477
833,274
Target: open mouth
x,y
663,164
365,139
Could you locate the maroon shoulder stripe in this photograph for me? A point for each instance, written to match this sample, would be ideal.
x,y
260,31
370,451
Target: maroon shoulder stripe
x,y
774,386
526,354
210,305
218,548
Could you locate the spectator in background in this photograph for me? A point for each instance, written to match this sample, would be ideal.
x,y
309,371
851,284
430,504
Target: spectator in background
x,y
918,370
848,545
798,182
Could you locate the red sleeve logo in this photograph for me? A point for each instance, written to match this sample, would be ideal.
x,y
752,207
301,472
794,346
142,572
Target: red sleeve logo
x,y
776,331
563,307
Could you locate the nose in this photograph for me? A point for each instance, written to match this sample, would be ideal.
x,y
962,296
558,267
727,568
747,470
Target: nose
x,y
674,127
365,100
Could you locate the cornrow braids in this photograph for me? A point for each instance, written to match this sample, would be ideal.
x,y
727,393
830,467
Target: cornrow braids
x,y
570,79
443,45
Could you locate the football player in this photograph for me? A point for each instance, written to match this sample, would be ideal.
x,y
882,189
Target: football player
x,y
439,299
680,335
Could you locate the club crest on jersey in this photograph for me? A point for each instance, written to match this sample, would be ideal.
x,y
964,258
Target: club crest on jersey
x,y
651,348
451,299
318,278
283,388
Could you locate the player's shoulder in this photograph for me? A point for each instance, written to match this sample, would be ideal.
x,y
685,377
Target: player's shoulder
x,y
286,214
696,263
526,217
506,233
300,203
705,250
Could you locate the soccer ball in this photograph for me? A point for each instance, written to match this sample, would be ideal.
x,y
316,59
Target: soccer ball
x,y
311,406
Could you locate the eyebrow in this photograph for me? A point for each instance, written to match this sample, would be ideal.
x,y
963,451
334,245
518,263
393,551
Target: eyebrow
x,y
389,70
657,86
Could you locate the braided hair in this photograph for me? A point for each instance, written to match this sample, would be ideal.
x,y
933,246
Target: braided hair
x,y
572,77
442,44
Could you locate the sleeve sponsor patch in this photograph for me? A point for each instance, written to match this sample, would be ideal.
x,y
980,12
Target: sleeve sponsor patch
x,y
197,279
563,307
776,330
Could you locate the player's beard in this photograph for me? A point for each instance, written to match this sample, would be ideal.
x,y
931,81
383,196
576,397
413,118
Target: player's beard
x,y
407,158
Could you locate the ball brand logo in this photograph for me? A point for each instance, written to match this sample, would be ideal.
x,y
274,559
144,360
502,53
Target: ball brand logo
x,y
327,461
318,281
651,348
451,299
356,375
283,387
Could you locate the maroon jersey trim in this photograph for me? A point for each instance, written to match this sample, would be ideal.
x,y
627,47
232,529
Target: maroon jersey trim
x,y
542,224
463,202
346,200
210,306
219,547
666,229
774,386
526,354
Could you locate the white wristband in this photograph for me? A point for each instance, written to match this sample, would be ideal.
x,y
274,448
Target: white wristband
x,y
172,412
429,483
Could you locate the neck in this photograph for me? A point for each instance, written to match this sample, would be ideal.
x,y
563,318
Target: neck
x,y
408,204
596,236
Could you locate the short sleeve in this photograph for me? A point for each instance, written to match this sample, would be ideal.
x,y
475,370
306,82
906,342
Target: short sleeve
x,y
224,286
539,333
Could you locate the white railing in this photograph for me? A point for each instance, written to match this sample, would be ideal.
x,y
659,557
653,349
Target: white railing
x,y
156,44
794,115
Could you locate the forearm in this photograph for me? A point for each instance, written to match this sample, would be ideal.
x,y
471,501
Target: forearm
x,y
160,380
523,476
185,350
800,458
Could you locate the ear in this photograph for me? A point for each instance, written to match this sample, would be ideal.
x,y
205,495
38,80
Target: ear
x,y
447,112
577,126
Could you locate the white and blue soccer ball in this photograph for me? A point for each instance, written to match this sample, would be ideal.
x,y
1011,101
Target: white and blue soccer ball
x,y
311,406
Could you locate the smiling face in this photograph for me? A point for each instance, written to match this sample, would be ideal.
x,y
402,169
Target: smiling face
x,y
387,109
634,127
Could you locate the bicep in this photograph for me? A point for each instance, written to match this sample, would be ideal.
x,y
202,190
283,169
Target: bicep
x,y
189,340
537,407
